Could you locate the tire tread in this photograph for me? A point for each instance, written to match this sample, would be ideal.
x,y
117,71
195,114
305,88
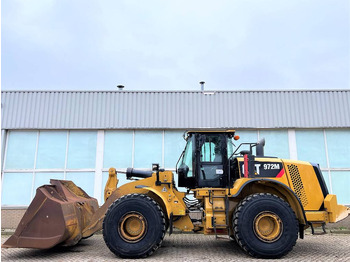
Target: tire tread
x,y
237,215
158,242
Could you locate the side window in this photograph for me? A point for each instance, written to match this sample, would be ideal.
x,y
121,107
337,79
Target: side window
x,y
229,147
187,159
211,149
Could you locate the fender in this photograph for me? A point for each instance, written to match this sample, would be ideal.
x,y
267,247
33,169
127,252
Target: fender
x,y
292,198
167,205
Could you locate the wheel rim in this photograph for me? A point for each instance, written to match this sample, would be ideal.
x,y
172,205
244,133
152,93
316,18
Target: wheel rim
x,y
132,227
268,226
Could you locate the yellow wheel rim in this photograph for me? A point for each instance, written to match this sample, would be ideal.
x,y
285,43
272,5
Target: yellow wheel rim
x,y
268,226
132,227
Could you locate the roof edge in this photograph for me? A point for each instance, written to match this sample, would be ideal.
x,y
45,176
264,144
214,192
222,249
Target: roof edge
x,y
176,91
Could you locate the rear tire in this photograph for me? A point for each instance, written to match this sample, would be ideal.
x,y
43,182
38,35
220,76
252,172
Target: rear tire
x,y
265,226
134,226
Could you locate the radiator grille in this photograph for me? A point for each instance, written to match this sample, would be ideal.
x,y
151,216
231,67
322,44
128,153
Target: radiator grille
x,y
297,184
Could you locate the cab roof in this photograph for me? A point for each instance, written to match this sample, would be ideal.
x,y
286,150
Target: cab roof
x,y
211,131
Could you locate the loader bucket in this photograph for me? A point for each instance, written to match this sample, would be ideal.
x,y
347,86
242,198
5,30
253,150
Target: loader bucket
x,y
57,215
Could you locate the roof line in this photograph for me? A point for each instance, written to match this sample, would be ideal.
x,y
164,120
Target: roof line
x,y
174,91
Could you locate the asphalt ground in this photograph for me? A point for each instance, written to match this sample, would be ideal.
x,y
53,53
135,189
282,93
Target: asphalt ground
x,y
188,247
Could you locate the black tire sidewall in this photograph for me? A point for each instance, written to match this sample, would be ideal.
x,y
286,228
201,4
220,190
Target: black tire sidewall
x,y
152,214
275,205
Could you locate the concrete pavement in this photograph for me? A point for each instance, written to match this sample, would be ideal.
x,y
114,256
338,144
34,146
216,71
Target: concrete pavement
x,y
188,247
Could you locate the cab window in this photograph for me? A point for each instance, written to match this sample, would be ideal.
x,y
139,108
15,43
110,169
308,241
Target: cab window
x,y
211,149
187,158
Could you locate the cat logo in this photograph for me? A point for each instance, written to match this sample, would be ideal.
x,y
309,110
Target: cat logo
x,y
164,189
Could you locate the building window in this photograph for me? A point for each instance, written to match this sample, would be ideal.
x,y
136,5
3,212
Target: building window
x,y
148,148
311,146
51,149
118,149
340,185
21,149
174,144
82,149
16,189
276,143
84,180
44,178
33,158
245,136
338,142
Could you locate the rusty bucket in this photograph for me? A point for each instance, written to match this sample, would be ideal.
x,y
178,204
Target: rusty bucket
x,y
57,215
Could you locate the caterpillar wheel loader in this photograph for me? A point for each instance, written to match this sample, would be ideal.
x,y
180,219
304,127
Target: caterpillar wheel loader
x,y
262,202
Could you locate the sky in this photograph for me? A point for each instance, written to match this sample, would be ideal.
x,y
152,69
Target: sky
x,y
172,45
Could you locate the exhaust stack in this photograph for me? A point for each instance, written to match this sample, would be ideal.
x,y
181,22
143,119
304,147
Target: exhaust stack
x,y
202,85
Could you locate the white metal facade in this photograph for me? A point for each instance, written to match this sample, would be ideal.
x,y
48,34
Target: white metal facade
x,y
174,109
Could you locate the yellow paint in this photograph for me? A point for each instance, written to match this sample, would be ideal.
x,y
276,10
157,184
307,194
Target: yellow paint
x,y
171,198
317,216
215,212
336,212
133,227
214,207
300,177
309,190
111,184
184,224
164,192
268,226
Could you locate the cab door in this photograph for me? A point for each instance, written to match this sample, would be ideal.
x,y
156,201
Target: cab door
x,y
211,158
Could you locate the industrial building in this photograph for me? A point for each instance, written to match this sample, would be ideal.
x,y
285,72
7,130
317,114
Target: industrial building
x,y
78,135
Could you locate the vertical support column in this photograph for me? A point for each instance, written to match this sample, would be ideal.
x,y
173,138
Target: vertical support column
x,y
133,149
66,159
327,158
35,159
292,142
3,147
4,143
99,165
163,148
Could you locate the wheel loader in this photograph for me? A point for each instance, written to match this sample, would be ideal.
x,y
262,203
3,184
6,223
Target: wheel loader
x,y
264,203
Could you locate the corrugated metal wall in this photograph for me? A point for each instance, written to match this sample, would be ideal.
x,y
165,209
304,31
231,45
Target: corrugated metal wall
x,y
174,109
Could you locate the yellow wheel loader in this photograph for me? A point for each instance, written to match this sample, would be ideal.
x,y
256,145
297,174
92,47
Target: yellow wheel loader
x,y
262,202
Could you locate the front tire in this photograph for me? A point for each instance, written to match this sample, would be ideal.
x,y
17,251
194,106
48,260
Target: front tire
x,y
134,226
265,226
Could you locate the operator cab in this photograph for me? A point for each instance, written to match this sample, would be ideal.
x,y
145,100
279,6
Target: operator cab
x,y
204,162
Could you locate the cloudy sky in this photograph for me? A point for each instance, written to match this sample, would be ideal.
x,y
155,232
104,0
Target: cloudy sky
x,y
172,45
